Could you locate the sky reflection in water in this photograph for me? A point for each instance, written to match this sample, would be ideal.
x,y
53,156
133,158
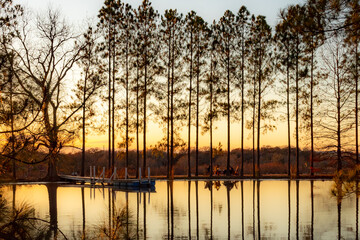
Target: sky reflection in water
x,y
195,209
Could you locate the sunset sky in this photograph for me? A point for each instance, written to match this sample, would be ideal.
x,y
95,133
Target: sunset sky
x,y
77,12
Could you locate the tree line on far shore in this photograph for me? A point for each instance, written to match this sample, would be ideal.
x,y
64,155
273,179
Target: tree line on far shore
x,y
183,73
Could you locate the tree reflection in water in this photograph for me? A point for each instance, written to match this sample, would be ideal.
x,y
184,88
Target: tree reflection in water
x,y
211,211
312,208
289,210
229,186
83,236
258,207
119,224
297,209
357,210
253,212
346,184
197,208
228,189
242,210
170,209
189,216
120,229
20,222
189,208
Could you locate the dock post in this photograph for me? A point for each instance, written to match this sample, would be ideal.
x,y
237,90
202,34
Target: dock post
x,y
149,174
126,173
91,175
140,174
103,174
94,175
115,173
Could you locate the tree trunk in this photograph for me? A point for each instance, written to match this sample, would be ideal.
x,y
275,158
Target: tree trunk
x,y
190,91
259,118
311,115
51,132
338,105
168,112
288,111
242,103
228,114
297,113
253,125
211,118
109,89
144,120
52,166
82,173
127,101
197,107
12,123
137,119
356,105
113,111
172,109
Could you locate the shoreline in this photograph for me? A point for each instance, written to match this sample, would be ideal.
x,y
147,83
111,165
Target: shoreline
x,y
197,178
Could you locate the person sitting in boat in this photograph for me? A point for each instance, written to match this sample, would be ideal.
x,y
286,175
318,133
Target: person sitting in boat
x,y
208,169
217,170
236,170
231,171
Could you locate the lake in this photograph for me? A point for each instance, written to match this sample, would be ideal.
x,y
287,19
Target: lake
x,y
271,209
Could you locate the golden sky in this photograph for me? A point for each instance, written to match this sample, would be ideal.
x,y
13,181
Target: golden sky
x,y
155,134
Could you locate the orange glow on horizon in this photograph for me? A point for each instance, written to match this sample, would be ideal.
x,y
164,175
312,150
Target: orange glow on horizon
x,y
277,138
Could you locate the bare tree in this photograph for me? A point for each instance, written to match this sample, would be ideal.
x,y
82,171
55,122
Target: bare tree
x,y
353,42
336,121
42,72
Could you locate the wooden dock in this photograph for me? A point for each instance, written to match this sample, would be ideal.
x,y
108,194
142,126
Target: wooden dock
x,y
115,182
77,178
122,183
137,183
126,183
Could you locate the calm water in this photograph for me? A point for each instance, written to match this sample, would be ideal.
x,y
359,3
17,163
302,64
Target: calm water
x,y
271,209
